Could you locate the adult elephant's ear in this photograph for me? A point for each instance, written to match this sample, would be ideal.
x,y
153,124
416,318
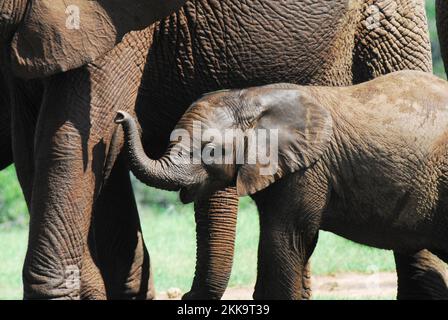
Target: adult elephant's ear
x,y
59,35
303,128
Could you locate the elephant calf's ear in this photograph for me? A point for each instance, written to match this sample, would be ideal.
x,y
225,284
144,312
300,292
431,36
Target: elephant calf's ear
x,y
304,132
58,35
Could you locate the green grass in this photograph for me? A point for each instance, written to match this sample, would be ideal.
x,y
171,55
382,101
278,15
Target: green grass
x,y
13,242
170,237
171,241
335,254
438,67
12,204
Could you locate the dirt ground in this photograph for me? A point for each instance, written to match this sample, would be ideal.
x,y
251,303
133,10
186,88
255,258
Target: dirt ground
x,y
341,286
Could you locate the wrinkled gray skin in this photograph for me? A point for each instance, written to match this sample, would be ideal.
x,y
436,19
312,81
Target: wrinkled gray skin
x,y
368,162
77,224
66,150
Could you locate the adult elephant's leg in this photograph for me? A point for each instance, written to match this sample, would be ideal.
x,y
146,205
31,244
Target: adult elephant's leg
x,y
69,153
26,97
5,126
216,220
26,100
391,36
73,136
421,276
122,255
92,283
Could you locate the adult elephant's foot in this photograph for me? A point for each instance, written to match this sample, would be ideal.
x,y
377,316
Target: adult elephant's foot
x,y
421,276
51,283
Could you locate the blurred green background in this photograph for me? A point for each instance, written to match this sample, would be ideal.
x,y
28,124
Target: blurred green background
x,y
169,232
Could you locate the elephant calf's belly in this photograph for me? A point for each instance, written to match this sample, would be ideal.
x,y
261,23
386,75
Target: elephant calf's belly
x,y
380,234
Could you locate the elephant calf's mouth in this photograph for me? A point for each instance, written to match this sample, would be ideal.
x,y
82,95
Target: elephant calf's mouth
x,y
187,195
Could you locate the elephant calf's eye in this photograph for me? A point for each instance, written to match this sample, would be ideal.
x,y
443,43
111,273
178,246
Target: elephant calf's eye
x,y
209,150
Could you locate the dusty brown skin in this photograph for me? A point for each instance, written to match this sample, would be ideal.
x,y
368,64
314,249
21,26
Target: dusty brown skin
x,y
367,162
205,46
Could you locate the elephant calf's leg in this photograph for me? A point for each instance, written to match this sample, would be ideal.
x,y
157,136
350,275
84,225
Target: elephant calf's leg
x,y
421,276
283,254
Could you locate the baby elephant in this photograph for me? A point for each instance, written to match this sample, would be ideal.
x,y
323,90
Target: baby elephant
x,y
367,162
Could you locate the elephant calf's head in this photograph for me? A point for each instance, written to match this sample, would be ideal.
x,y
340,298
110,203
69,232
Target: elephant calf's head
x,y
248,137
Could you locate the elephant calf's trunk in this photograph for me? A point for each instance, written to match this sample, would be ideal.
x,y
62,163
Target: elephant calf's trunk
x,y
162,173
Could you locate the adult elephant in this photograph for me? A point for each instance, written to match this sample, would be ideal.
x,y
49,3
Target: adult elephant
x,y
69,255
69,164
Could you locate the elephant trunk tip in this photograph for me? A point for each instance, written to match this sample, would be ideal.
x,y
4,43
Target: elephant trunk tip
x,y
122,116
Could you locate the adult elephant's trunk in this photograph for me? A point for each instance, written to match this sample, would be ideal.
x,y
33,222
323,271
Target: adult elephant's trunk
x,y
164,173
11,13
